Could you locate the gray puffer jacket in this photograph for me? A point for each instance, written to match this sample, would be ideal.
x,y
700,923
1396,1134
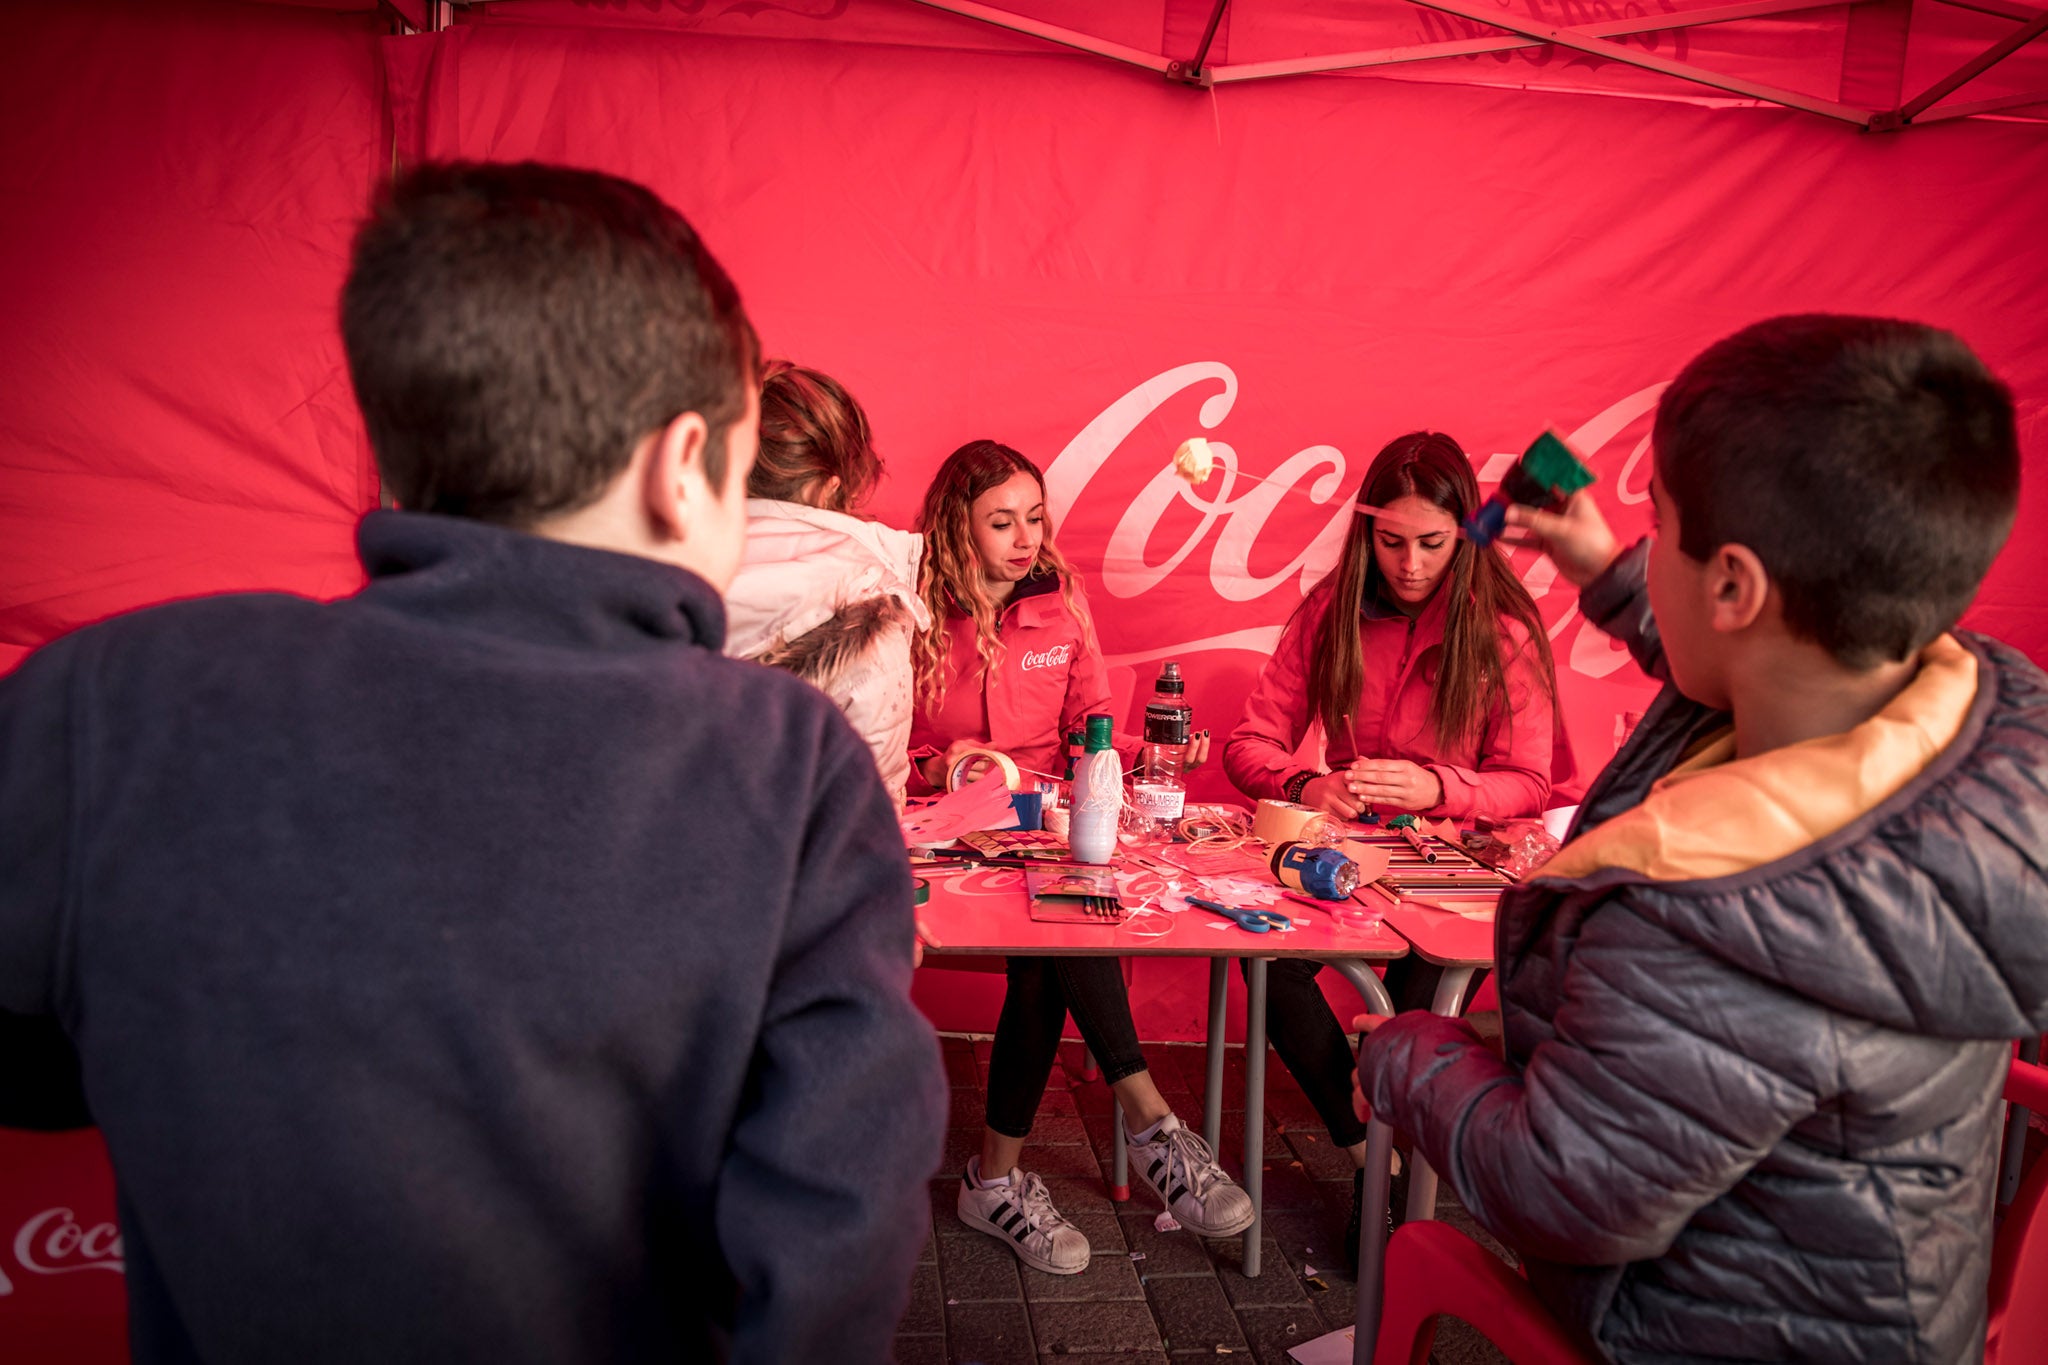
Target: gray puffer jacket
x,y
1752,1115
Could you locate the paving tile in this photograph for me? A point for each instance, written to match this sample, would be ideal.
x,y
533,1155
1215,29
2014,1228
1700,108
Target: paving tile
x,y
1105,1358
1073,1195
978,1268
1193,1314
959,1059
1272,1330
1308,1236
920,1350
1231,1142
930,1254
926,1315
990,1333
1458,1343
1055,1102
1063,1162
1322,1158
1166,1253
946,1224
1279,1283
1285,1186
1055,1130
1227,1256
1076,1328
1110,1274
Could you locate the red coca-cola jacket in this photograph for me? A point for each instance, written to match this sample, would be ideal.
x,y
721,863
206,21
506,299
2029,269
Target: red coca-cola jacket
x,y
1506,771
1047,678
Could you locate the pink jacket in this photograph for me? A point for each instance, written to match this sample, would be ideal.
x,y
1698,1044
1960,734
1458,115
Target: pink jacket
x,y
1507,772
1048,677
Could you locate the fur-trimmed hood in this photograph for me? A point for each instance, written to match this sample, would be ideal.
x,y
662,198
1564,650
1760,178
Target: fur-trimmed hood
x,y
805,567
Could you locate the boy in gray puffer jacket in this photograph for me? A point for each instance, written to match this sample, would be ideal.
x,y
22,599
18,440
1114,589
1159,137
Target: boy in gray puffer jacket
x,y
1757,1012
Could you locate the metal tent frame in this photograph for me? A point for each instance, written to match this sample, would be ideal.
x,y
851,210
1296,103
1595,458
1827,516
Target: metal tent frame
x,y
1595,39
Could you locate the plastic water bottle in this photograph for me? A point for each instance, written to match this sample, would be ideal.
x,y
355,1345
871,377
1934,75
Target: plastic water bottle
x,y
1158,792
1098,796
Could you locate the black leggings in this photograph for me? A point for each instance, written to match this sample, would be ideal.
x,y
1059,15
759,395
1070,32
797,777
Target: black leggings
x,y
1304,1031
1042,991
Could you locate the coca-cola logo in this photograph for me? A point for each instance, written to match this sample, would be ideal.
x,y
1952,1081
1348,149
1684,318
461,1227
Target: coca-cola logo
x,y
54,1242
1233,513
1058,656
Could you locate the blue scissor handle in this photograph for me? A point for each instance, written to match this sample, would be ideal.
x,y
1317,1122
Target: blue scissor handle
x,y
1255,921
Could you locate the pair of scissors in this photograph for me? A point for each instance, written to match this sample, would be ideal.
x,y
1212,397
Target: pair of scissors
x,y
1257,921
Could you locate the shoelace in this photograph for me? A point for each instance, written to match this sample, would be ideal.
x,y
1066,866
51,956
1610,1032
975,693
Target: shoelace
x,y
1197,1163
1036,1202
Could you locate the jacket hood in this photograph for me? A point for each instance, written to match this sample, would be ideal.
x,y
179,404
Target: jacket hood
x,y
1896,873
804,565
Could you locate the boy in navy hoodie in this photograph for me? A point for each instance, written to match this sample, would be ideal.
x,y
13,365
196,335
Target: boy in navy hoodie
x,y
482,967
1758,1010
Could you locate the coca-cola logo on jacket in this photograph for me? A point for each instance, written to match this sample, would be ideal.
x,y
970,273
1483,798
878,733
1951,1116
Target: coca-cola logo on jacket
x,y
1059,656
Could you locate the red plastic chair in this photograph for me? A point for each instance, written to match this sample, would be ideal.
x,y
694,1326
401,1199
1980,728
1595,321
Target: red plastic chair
x,y
1434,1270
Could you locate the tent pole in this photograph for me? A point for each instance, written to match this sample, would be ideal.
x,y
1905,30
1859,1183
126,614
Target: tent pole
x,y
1423,52
1684,71
1194,67
1052,33
1990,106
2004,9
1970,70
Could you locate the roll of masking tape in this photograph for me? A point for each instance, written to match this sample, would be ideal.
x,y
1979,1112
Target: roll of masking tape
x,y
976,762
1276,822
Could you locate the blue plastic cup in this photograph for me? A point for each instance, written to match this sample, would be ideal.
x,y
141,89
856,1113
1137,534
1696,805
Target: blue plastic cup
x,y
1030,808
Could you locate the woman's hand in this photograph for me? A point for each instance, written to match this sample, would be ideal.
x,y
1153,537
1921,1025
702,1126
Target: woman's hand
x,y
1331,793
1578,539
938,767
1196,753
1395,783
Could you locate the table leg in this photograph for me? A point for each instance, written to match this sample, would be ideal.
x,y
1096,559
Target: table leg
x,y
1450,998
1212,1091
1372,1202
1255,1108
1372,1239
1120,1159
2015,1135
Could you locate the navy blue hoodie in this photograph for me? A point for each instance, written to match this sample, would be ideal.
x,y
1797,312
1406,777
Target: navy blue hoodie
x,y
477,968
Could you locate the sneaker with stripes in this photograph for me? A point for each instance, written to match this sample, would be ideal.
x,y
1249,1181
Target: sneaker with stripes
x,y
1183,1172
1020,1212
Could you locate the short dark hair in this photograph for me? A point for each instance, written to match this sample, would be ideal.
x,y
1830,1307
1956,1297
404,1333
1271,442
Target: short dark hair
x,y
1872,465
514,330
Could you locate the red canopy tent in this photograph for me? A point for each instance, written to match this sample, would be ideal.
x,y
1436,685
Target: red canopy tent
x,y
1299,228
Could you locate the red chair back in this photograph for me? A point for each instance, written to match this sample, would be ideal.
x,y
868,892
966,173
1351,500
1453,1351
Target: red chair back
x,y
2019,1256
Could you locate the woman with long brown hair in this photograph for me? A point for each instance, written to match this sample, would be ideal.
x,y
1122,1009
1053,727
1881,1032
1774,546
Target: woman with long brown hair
x,y
1010,663
1427,666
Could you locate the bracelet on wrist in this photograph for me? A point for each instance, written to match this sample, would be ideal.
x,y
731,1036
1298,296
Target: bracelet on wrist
x,y
1297,784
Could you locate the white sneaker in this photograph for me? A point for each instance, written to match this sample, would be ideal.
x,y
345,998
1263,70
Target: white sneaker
x,y
1022,1215
1183,1172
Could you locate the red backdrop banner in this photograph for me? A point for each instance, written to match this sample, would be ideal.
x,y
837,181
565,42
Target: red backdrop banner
x,y
177,191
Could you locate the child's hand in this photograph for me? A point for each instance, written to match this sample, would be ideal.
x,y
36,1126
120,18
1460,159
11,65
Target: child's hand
x,y
1578,539
1364,1023
1395,783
